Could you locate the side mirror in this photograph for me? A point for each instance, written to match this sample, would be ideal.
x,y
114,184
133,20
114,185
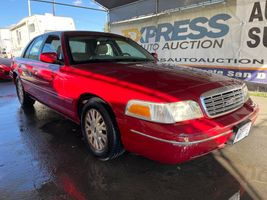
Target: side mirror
x,y
155,55
49,57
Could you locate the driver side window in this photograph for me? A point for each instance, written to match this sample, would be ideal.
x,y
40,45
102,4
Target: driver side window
x,y
34,49
53,45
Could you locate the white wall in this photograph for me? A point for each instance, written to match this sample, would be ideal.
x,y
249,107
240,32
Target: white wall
x,y
5,40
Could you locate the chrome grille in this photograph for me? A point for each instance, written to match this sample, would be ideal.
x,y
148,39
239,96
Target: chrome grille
x,y
223,100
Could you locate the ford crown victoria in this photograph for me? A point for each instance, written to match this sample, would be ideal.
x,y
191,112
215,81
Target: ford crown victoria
x,y
124,100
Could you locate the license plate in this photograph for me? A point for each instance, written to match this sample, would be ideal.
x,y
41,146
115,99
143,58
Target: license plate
x,y
242,132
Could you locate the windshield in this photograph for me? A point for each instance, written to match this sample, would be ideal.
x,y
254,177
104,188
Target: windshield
x,y
85,49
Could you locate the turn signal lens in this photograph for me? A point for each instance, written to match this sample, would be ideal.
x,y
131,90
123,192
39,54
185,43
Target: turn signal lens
x,y
139,110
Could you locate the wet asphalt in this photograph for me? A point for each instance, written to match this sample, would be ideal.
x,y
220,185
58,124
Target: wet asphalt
x,y
42,156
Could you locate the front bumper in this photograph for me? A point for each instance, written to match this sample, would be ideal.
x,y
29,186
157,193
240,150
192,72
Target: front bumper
x,y
183,141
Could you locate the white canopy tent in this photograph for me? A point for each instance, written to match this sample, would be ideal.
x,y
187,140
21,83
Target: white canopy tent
x,y
131,9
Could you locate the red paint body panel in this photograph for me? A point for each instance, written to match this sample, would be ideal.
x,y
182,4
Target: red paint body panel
x,y
195,130
4,72
60,87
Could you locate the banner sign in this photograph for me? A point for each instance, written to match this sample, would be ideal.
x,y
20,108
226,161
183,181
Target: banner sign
x,y
228,39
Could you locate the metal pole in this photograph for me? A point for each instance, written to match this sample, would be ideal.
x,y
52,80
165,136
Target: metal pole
x,y
54,8
29,8
157,6
108,20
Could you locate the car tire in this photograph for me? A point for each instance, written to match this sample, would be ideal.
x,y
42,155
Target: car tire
x,y
24,99
100,130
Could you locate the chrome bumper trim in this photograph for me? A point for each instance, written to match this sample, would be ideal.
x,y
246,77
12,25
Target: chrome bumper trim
x,y
181,143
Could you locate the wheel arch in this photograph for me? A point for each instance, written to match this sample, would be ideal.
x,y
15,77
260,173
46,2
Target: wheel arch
x,y
84,98
118,149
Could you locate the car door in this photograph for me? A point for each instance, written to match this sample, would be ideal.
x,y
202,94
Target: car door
x,y
27,66
48,75
38,76
42,80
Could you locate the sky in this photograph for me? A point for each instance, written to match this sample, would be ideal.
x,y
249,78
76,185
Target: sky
x,y
12,11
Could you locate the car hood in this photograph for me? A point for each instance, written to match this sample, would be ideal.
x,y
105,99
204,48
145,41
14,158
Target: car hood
x,y
168,79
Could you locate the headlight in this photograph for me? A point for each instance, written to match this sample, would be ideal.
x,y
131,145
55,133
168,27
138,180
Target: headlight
x,y
245,92
167,113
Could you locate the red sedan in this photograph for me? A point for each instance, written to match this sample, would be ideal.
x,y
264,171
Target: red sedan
x,y
124,99
5,69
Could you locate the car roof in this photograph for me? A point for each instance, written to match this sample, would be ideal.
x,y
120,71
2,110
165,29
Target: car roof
x,y
79,33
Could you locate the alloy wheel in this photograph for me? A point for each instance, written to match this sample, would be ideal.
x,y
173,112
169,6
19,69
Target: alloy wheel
x,y
96,130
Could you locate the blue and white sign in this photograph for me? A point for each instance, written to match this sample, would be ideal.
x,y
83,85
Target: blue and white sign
x,y
229,38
